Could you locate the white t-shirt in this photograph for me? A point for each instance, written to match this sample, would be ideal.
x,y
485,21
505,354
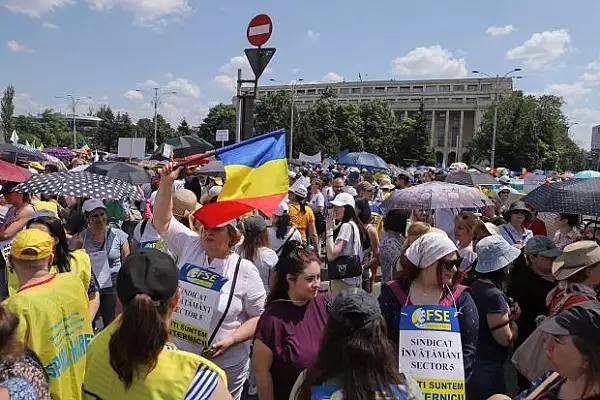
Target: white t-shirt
x,y
352,246
249,296
468,257
151,236
317,203
276,243
265,260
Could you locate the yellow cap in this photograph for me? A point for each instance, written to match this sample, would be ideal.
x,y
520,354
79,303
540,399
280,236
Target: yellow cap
x,y
32,244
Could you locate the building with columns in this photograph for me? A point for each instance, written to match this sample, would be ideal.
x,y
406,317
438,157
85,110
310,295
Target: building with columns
x,y
453,107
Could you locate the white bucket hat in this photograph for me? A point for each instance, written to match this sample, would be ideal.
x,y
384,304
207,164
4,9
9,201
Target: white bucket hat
x,y
494,253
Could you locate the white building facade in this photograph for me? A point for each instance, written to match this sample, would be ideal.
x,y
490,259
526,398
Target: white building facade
x,y
453,107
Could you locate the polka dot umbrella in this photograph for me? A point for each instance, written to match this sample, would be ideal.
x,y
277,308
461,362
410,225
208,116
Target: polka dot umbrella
x,y
575,196
80,184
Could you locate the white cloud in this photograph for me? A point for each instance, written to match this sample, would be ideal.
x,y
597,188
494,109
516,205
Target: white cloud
x,y
153,14
571,93
48,25
134,95
500,30
227,79
591,78
541,49
17,47
586,118
24,104
183,87
433,61
225,82
594,65
332,77
34,8
312,35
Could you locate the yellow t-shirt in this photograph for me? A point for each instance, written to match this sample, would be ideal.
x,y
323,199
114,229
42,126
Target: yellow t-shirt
x,y
55,324
45,205
80,265
301,220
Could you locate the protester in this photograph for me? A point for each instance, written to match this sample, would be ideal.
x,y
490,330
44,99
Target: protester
x,y
366,191
501,199
567,230
131,358
231,326
282,230
21,371
429,265
536,225
317,200
514,232
50,306
289,331
404,181
415,231
256,248
370,247
497,327
107,248
355,358
464,223
489,215
338,186
344,239
392,244
302,216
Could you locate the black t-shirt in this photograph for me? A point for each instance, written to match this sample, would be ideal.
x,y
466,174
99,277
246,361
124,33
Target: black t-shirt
x,y
489,300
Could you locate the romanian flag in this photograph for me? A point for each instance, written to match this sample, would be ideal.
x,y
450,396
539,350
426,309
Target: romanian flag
x,y
84,146
257,178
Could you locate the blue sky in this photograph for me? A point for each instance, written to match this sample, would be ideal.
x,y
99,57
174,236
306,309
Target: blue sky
x,y
107,48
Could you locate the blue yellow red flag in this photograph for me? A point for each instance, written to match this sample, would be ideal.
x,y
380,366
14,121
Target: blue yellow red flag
x,y
83,145
256,172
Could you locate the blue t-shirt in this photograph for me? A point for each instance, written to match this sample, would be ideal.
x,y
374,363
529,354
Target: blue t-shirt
x,y
114,241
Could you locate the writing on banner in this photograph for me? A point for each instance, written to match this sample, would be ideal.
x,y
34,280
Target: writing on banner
x,y
5,248
200,291
430,351
333,392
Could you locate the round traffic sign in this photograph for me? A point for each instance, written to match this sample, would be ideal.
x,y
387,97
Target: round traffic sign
x,y
259,30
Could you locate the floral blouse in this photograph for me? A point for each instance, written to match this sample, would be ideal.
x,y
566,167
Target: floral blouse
x,y
561,240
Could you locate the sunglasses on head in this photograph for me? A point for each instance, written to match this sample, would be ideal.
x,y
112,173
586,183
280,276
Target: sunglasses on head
x,y
450,264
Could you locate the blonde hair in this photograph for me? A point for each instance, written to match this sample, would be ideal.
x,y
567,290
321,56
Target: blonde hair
x,y
415,231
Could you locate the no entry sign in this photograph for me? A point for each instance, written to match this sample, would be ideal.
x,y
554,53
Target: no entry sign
x,y
259,30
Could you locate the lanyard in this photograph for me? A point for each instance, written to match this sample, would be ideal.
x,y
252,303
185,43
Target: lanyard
x,y
103,242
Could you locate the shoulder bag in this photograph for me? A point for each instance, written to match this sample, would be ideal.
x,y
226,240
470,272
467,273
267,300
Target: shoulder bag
x,y
345,266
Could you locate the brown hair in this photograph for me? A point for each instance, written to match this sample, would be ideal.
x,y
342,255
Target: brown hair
x,y
139,339
465,220
591,354
9,344
252,242
480,231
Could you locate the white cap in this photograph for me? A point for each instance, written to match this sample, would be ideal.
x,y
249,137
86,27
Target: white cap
x,y
343,199
215,190
504,179
281,209
300,191
351,191
92,204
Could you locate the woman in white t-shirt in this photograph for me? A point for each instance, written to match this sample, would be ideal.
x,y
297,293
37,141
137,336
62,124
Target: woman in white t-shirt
x,y
317,200
210,254
343,235
256,248
282,229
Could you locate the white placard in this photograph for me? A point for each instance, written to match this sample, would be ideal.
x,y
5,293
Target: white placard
x,y
167,150
314,159
222,135
132,148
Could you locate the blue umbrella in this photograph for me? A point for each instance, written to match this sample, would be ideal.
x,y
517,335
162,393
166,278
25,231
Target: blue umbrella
x,y
362,159
587,174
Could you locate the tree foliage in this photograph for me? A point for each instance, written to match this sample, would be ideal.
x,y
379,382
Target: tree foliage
x,y
7,110
221,116
273,112
50,129
184,128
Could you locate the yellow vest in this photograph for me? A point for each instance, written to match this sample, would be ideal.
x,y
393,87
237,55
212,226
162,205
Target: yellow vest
x,y
55,324
170,379
80,266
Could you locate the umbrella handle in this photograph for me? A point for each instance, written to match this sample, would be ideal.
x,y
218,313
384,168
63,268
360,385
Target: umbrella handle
x,y
203,156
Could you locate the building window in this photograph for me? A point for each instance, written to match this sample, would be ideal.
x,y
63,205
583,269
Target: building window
x,y
457,100
379,89
344,90
418,89
300,91
440,128
459,88
485,98
486,87
367,90
431,89
416,99
471,88
403,99
321,91
444,88
356,90
429,100
471,100
311,91
392,89
404,89
443,99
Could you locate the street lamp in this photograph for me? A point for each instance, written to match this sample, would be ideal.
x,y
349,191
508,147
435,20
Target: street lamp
x,y
74,101
293,85
497,83
158,96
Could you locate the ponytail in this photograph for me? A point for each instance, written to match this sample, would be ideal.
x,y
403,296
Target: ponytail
x,y
139,339
302,202
282,225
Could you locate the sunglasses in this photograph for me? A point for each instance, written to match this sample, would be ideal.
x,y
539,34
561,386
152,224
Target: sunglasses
x,y
451,264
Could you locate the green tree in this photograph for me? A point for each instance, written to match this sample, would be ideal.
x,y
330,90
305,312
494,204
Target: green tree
x,y
145,129
317,129
415,140
350,129
184,128
106,137
7,110
273,112
221,116
381,131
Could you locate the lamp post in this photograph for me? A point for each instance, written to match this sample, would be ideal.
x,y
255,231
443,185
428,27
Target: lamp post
x,y
158,94
292,85
74,101
497,84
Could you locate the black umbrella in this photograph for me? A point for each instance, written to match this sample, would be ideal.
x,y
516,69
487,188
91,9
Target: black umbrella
x,y
470,178
121,171
575,196
213,168
183,146
80,184
18,152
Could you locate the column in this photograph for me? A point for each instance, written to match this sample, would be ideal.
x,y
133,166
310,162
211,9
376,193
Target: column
x,y
447,129
405,114
459,144
432,128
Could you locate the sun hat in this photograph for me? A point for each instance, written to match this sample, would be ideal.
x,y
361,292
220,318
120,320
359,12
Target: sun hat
x,y
215,191
388,186
364,186
300,191
491,228
540,245
148,271
7,187
32,245
518,206
92,204
494,253
343,199
254,224
355,308
429,248
576,257
185,202
281,209
504,179
581,320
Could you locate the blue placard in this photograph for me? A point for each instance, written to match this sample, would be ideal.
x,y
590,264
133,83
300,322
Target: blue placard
x,y
201,277
333,392
429,318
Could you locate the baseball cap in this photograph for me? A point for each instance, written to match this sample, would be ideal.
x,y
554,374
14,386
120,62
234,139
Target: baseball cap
x,y
355,308
542,246
254,224
581,320
343,199
281,209
32,245
364,186
504,179
92,204
148,271
291,174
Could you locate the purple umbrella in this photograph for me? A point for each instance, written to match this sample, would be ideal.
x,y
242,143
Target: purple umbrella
x,y
59,152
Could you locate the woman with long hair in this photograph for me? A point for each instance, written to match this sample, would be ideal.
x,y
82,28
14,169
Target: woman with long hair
x,y
255,248
130,359
302,216
392,244
282,230
370,247
343,237
355,357
289,331
464,223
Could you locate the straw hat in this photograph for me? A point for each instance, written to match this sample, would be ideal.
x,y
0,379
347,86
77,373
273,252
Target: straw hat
x,y
184,203
576,257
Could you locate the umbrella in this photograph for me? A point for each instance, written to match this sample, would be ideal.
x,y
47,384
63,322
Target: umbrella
x,y
122,171
79,168
13,173
436,195
18,152
575,196
362,159
80,184
62,153
470,178
213,168
587,174
183,146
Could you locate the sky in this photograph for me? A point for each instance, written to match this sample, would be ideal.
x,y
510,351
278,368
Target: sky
x,y
103,50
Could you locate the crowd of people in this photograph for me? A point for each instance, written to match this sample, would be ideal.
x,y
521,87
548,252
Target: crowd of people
x,y
138,300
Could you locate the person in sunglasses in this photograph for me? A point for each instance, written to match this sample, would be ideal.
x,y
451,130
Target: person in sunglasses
x,y
428,267
497,327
